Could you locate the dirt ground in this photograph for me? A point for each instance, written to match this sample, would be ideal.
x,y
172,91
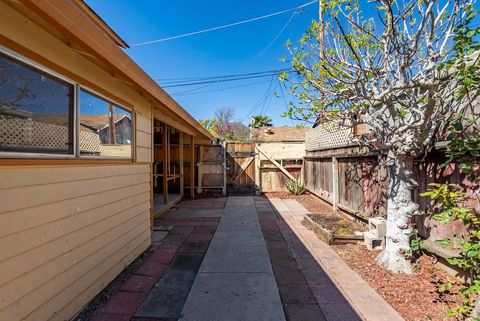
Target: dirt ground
x,y
414,296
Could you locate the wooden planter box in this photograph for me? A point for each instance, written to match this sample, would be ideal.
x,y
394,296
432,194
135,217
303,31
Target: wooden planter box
x,y
328,236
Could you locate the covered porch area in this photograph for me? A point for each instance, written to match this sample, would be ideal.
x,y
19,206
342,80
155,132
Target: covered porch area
x,y
174,166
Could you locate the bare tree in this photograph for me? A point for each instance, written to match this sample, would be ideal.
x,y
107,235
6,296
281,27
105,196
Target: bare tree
x,y
383,69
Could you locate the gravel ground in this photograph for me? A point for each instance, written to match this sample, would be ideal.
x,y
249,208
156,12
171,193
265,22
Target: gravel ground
x,y
413,296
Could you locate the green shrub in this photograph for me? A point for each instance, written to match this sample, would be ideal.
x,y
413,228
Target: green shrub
x,y
296,187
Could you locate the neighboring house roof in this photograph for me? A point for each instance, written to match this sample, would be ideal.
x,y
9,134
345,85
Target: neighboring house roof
x,y
278,134
99,121
88,121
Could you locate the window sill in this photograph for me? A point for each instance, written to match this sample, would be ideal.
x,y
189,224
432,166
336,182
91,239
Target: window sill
x,y
63,161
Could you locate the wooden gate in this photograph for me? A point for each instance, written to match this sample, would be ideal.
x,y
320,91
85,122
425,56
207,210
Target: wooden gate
x,y
240,168
211,168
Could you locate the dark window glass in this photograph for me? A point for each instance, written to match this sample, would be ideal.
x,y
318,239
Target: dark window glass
x,y
36,110
105,129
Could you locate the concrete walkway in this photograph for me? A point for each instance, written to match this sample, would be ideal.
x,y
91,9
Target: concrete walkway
x,y
236,280
241,259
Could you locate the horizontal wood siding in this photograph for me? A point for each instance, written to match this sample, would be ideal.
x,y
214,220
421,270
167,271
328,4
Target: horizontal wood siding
x,y
144,138
66,232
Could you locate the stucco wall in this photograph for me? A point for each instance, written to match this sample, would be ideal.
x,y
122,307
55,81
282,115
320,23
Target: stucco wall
x,y
283,150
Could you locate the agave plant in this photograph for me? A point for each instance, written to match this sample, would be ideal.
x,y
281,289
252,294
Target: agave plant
x,y
296,187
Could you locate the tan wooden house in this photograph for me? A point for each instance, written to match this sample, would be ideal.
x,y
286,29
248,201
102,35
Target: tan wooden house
x,y
77,196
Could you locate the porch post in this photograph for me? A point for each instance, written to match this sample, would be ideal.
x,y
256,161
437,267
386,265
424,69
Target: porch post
x,y
180,155
192,167
165,163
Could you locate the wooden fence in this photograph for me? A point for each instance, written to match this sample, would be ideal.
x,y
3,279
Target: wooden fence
x,y
254,167
356,180
357,184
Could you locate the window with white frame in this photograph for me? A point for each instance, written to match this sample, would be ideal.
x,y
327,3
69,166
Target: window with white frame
x,y
43,114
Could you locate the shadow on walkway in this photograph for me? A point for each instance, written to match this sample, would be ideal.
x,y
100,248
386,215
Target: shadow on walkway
x,y
306,290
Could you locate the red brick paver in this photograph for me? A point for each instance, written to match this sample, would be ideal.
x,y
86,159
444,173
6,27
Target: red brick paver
x,y
152,269
298,275
139,283
187,234
125,303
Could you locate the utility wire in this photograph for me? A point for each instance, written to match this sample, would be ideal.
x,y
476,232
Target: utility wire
x,y
274,38
195,91
181,80
223,26
221,80
260,101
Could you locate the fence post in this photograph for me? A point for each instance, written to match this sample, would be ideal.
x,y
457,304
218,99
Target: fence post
x,y
258,175
224,189
200,170
335,196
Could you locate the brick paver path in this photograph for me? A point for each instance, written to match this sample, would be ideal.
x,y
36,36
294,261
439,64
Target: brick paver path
x,y
316,258
157,291
236,259
307,292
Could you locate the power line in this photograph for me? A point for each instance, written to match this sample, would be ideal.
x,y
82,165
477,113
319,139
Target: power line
x,y
183,84
262,98
195,91
223,26
178,80
274,38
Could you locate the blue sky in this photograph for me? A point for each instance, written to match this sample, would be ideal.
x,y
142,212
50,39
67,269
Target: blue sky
x,y
229,51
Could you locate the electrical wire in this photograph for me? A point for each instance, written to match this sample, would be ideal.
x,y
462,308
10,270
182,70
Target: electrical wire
x,y
223,26
222,80
285,100
190,79
259,102
194,91
264,50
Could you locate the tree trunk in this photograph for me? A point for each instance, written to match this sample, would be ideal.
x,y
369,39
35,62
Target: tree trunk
x,y
476,309
400,209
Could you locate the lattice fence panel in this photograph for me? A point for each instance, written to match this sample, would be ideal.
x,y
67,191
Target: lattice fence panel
x,y
25,132
322,138
89,142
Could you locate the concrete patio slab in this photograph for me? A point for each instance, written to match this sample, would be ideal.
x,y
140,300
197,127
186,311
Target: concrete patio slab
x,y
236,280
234,201
236,259
194,213
238,225
237,238
239,210
233,297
